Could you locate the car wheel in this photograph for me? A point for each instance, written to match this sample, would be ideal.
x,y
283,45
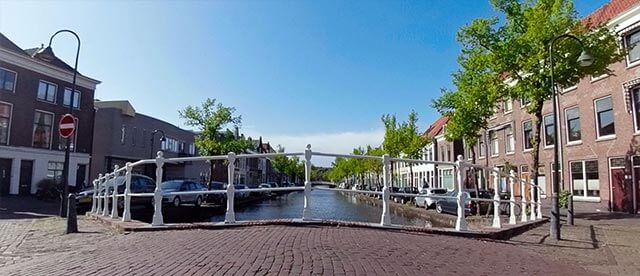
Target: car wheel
x,y
176,202
198,202
426,205
402,201
438,208
395,199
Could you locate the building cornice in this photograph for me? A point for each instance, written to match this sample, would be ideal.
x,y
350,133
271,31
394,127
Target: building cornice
x,y
29,63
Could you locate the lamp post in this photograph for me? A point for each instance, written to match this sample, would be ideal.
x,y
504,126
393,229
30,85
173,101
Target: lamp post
x,y
153,135
46,54
584,60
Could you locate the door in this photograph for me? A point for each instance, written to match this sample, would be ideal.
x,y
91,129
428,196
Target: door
x,y
621,191
81,177
5,176
636,171
26,171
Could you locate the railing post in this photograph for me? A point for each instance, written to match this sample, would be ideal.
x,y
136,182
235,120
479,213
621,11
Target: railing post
x,y
94,204
158,220
532,204
461,221
539,203
98,196
307,182
230,216
523,202
114,201
496,199
512,197
386,216
126,214
105,202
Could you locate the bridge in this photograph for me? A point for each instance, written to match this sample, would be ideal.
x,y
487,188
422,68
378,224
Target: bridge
x,y
530,210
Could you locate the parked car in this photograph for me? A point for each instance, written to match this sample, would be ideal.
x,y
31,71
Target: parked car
x,y
424,200
406,190
450,205
395,190
139,184
239,193
216,198
265,186
182,186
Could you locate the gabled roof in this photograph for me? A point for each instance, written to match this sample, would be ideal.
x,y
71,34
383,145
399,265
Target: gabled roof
x,y
608,11
9,45
437,127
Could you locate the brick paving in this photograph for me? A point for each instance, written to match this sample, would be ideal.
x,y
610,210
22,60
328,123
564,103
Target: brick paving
x,y
264,250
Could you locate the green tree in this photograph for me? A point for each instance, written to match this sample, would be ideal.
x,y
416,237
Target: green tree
x,y
392,139
412,141
510,57
212,121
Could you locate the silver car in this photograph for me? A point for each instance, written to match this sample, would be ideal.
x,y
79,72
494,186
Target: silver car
x,y
424,200
182,186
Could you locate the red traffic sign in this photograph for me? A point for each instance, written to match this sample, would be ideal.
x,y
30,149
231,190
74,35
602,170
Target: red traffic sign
x,y
67,125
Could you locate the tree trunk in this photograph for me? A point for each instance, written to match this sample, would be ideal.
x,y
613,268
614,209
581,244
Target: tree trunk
x,y
475,179
391,180
537,122
411,174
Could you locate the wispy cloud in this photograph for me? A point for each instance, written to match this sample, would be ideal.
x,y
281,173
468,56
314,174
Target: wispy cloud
x,y
341,142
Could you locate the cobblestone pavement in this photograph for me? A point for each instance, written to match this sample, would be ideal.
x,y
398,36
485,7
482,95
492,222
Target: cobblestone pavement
x,y
261,250
606,243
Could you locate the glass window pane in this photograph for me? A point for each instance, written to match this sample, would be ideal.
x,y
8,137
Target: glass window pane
x,y
573,113
636,107
42,90
604,104
632,45
606,123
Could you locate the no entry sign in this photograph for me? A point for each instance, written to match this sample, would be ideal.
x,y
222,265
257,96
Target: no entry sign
x,y
67,125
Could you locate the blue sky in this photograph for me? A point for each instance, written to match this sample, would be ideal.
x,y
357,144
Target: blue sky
x,y
319,72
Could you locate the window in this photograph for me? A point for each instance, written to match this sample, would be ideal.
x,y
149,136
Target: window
x,y
62,142
446,177
574,133
549,131
5,122
192,149
42,127
67,98
54,170
507,105
171,145
494,143
47,91
636,108
527,134
481,149
524,101
123,135
585,179
7,80
632,46
448,152
510,142
604,117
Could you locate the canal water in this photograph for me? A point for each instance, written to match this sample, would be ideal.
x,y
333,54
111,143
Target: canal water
x,y
325,204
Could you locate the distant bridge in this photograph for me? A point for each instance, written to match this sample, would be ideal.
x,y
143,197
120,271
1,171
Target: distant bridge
x,y
323,183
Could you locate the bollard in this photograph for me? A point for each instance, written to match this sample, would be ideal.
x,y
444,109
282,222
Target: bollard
x,y
99,197
307,183
523,202
230,216
461,221
72,216
496,199
105,202
532,204
385,220
114,201
512,198
93,197
157,194
126,214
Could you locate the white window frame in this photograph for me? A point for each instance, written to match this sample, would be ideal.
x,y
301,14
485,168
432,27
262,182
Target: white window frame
x,y
15,79
481,147
600,77
524,140
566,122
634,108
544,128
595,117
65,94
53,118
570,88
495,148
55,94
508,102
522,104
511,141
586,183
626,47
10,120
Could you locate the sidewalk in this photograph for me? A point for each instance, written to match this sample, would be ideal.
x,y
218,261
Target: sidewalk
x,y
601,242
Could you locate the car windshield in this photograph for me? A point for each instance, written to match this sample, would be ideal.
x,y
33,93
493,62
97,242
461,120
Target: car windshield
x,y
217,186
174,185
439,191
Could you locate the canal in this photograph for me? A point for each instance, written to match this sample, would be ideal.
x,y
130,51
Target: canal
x,y
325,204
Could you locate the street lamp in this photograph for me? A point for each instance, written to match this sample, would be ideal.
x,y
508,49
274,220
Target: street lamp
x,y
153,135
584,60
46,54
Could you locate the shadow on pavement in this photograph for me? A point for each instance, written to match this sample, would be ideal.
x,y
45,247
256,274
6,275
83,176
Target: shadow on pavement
x,y
21,207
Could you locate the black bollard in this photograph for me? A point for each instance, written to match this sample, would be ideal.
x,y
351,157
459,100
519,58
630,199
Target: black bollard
x,y
72,217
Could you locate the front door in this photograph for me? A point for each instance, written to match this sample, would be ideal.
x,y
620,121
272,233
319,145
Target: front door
x,y
26,170
621,191
80,177
5,176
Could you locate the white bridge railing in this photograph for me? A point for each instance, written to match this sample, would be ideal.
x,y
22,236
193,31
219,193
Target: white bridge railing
x,y
105,190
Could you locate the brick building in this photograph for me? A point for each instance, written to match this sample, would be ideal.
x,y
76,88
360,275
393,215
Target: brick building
x,y
599,123
121,135
34,94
